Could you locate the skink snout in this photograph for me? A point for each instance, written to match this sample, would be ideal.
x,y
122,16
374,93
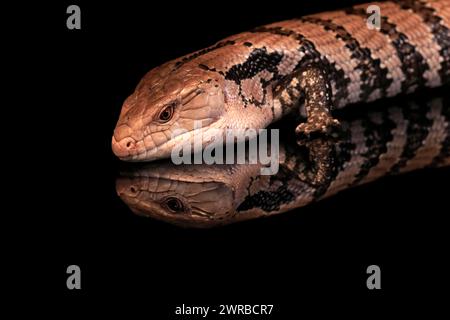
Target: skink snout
x,y
123,145
123,148
125,187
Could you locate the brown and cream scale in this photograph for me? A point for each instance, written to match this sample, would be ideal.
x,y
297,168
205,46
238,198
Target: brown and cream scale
x,y
314,66
311,65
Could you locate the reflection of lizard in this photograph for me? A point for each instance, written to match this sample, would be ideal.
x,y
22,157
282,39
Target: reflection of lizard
x,y
387,141
314,64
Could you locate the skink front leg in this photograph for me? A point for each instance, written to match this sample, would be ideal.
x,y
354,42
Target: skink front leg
x,y
317,92
309,86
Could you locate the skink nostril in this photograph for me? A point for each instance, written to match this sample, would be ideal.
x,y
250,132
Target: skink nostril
x,y
128,143
124,147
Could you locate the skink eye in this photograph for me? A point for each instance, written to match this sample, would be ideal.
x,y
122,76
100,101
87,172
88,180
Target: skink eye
x,y
167,113
174,204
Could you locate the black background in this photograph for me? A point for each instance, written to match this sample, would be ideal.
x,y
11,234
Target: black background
x,y
316,253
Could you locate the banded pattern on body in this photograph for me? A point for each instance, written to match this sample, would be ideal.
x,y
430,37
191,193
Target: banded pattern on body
x,y
310,66
410,50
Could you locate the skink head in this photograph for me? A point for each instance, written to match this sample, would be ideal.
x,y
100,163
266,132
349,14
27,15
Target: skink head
x,y
167,106
178,195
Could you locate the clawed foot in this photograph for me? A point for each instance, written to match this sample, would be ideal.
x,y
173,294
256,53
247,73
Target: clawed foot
x,y
326,127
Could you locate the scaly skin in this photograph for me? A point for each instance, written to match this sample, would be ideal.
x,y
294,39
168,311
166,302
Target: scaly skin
x,y
310,65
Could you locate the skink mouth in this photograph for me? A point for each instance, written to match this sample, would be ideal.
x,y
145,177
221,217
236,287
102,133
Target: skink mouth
x,y
147,209
131,150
